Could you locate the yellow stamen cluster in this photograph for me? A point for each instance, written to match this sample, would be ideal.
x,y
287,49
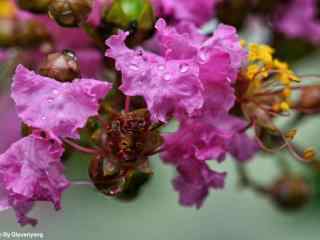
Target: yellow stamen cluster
x,y
7,9
263,68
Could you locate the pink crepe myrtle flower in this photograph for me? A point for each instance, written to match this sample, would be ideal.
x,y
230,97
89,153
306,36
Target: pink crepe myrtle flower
x,y
299,19
187,149
207,130
161,79
197,141
196,11
30,170
208,67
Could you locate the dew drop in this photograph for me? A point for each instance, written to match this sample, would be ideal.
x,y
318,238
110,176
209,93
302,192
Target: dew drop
x,y
55,91
167,76
161,67
44,118
134,67
50,100
204,55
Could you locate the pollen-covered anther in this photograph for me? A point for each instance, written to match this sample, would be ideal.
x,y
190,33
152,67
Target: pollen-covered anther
x,y
287,92
309,154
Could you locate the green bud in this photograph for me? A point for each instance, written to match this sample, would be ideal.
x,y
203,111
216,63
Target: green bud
x,y
34,6
130,15
63,67
70,13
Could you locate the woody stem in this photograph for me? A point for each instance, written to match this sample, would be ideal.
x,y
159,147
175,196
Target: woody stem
x,y
127,104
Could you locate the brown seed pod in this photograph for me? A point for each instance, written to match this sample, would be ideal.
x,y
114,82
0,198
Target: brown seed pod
x,y
290,193
309,101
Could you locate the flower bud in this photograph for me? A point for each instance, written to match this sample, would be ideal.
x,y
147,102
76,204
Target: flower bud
x,y
310,99
135,15
70,13
34,6
291,193
63,67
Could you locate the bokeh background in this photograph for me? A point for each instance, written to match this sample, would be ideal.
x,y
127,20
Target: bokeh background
x,y
233,213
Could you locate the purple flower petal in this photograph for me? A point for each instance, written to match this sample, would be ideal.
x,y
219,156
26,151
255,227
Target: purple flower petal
x,y
194,181
167,86
58,108
30,170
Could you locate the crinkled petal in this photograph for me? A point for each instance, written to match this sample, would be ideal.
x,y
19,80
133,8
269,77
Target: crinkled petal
x,y
194,181
177,44
167,86
225,39
203,138
4,201
58,108
30,170
220,56
241,146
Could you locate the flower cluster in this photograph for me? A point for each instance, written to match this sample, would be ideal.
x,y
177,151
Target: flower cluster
x,y
216,87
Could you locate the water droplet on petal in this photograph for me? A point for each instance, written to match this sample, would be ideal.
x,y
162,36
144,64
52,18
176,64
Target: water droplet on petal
x,y
204,55
134,67
44,118
161,67
167,76
55,91
50,100
184,68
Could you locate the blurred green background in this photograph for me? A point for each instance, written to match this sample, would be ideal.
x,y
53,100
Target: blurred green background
x,y
229,214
